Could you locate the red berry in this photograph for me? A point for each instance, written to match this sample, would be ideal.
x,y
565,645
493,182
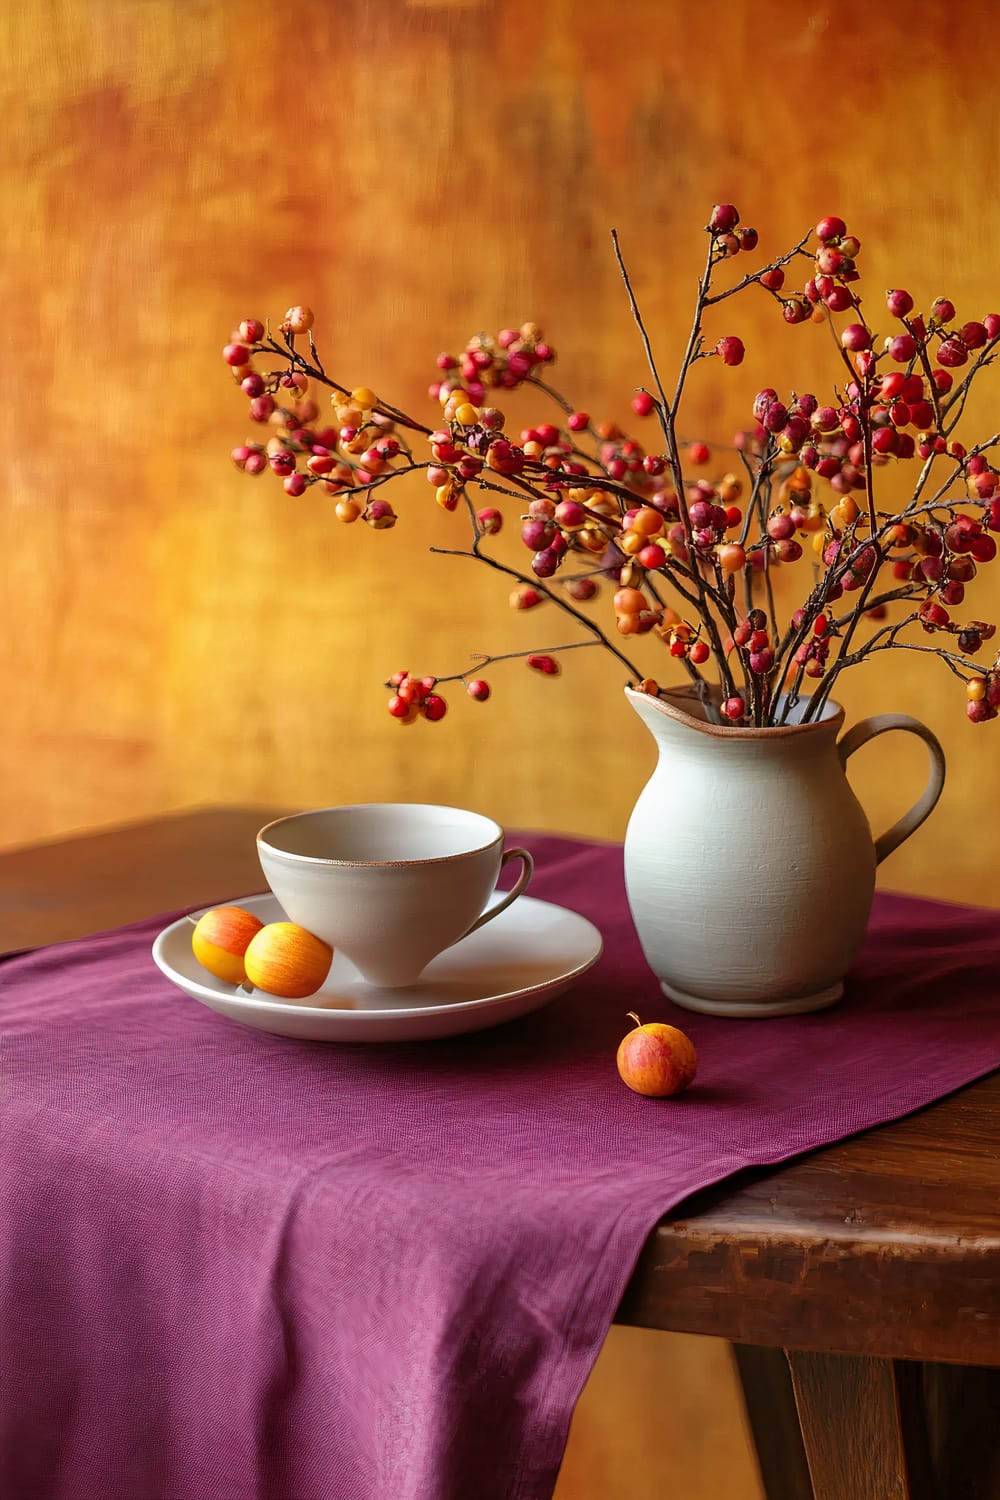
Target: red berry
x,y
831,228
578,421
434,707
724,218
899,303
838,299
773,280
730,350
942,310
855,336
953,353
698,453
699,653
642,403
544,664
478,689
902,348
734,708
489,520
974,335
236,354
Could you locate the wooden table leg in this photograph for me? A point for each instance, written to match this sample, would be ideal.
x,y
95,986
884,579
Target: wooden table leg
x,y
863,1427
774,1422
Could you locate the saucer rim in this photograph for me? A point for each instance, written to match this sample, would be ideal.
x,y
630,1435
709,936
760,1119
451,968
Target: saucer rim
x,y
206,995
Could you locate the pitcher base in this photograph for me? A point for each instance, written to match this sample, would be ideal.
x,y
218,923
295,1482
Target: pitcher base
x,y
749,1009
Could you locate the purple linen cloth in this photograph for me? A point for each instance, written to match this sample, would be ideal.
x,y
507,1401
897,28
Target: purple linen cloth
x,y
237,1267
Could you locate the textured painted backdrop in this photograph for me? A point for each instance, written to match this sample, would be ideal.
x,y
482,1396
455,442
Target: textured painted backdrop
x,y
178,633
416,172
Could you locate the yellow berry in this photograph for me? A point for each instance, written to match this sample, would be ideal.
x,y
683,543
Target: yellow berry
x,y
365,398
467,414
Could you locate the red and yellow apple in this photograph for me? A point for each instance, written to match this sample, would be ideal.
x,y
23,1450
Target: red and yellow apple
x,y
285,960
656,1059
220,939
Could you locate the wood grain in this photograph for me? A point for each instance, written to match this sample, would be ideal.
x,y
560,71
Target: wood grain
x,y
860,1233
863,1428
178,634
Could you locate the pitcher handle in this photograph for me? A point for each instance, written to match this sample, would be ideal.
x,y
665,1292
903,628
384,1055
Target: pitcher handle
x,y
866,730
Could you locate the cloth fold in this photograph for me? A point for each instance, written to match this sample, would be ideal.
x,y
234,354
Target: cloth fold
x,y
235,1266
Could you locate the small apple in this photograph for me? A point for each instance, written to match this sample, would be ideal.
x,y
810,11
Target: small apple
x,y
220,939
285,960
656,1059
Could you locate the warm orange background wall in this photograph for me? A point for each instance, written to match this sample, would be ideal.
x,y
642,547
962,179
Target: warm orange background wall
x,y
175,633
417,171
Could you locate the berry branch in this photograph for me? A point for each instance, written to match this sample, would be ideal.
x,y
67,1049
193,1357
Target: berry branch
x,y
598,507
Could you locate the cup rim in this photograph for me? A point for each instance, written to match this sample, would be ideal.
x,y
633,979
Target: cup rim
x,y
324,860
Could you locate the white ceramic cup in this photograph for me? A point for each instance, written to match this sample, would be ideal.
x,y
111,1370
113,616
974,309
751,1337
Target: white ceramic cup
x,y
388,884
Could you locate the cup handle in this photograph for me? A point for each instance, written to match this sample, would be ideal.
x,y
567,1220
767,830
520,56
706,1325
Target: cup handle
x,y
866,730
527,869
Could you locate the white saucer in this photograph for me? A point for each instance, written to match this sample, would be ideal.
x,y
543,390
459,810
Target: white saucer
x,y
515,964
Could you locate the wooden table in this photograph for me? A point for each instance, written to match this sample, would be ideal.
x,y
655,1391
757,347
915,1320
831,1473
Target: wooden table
x,y
860,1284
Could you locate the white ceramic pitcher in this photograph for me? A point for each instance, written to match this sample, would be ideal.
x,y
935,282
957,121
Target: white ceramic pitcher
x,y
749,863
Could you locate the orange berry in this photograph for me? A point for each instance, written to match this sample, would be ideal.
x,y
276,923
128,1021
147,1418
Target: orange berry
x,y
731,557
629,601
656,1060
647,521
220,940
284,959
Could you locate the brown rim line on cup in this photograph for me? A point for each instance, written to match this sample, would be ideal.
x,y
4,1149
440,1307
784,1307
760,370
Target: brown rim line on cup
x,y
329,859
